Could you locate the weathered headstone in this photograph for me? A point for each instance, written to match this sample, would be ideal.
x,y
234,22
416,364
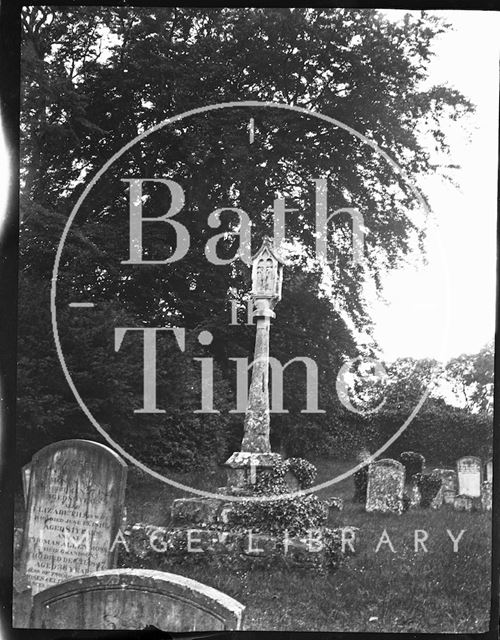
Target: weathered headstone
x,y
75,502
463,503
489,470
449,486
486,495
135,599
469,476
386,479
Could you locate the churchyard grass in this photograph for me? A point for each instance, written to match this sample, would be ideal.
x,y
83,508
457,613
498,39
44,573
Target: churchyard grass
x,y
404,590
433,591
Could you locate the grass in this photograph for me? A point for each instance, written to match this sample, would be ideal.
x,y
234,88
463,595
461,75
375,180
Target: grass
x,y
404,591
401,591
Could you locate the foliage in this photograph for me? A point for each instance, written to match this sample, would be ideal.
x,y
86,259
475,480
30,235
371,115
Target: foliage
x,y
92,79
413,463
272,481
360,485
303,470
472,378
441,432
429,485
176,438
406,502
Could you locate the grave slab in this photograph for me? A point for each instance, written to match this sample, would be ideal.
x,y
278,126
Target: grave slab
x,y
132,599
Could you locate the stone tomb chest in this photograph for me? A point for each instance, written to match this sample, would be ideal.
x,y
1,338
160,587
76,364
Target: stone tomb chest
x,y
135,599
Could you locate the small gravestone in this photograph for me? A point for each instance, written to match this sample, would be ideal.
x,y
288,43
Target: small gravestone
x,y
486,495
386,479
469,476
489,471
74,509
463,503
135,599
449,485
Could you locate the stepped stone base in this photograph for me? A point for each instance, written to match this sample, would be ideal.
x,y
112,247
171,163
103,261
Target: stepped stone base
x,y
313,551
212,530
211,511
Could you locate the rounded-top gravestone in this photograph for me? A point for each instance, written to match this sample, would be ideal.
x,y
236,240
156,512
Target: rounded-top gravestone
x,y
386,479
136,599
469,476
74,508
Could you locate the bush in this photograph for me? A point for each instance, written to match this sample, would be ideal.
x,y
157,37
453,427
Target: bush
x,y
304,471
272,482
440,432
360,485
413,463
429,485
406,502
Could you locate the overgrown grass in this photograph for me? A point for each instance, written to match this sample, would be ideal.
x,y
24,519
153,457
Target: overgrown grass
x,y
406,590
434,591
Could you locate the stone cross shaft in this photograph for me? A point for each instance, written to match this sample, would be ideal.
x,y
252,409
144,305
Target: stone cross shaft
x,y
267,274
257,422
243,466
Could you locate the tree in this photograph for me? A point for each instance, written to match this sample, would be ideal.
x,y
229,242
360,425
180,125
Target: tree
x,y
472,378
93,79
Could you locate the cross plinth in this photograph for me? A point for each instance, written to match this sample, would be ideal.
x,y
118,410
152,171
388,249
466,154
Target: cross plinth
x,y
255,454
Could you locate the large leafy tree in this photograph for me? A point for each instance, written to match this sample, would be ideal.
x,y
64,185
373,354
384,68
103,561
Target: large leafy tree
x,y
472,378
93,79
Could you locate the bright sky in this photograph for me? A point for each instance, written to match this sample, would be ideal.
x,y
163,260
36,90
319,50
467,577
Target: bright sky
x,y
463,244
458,284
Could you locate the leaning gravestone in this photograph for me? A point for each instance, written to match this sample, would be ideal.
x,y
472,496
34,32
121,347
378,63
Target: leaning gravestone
x,y
386,479
135,599
74,508
469,476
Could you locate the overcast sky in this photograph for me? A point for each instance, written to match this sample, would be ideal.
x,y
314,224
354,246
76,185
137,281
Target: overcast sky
x,y
447,307
459,281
